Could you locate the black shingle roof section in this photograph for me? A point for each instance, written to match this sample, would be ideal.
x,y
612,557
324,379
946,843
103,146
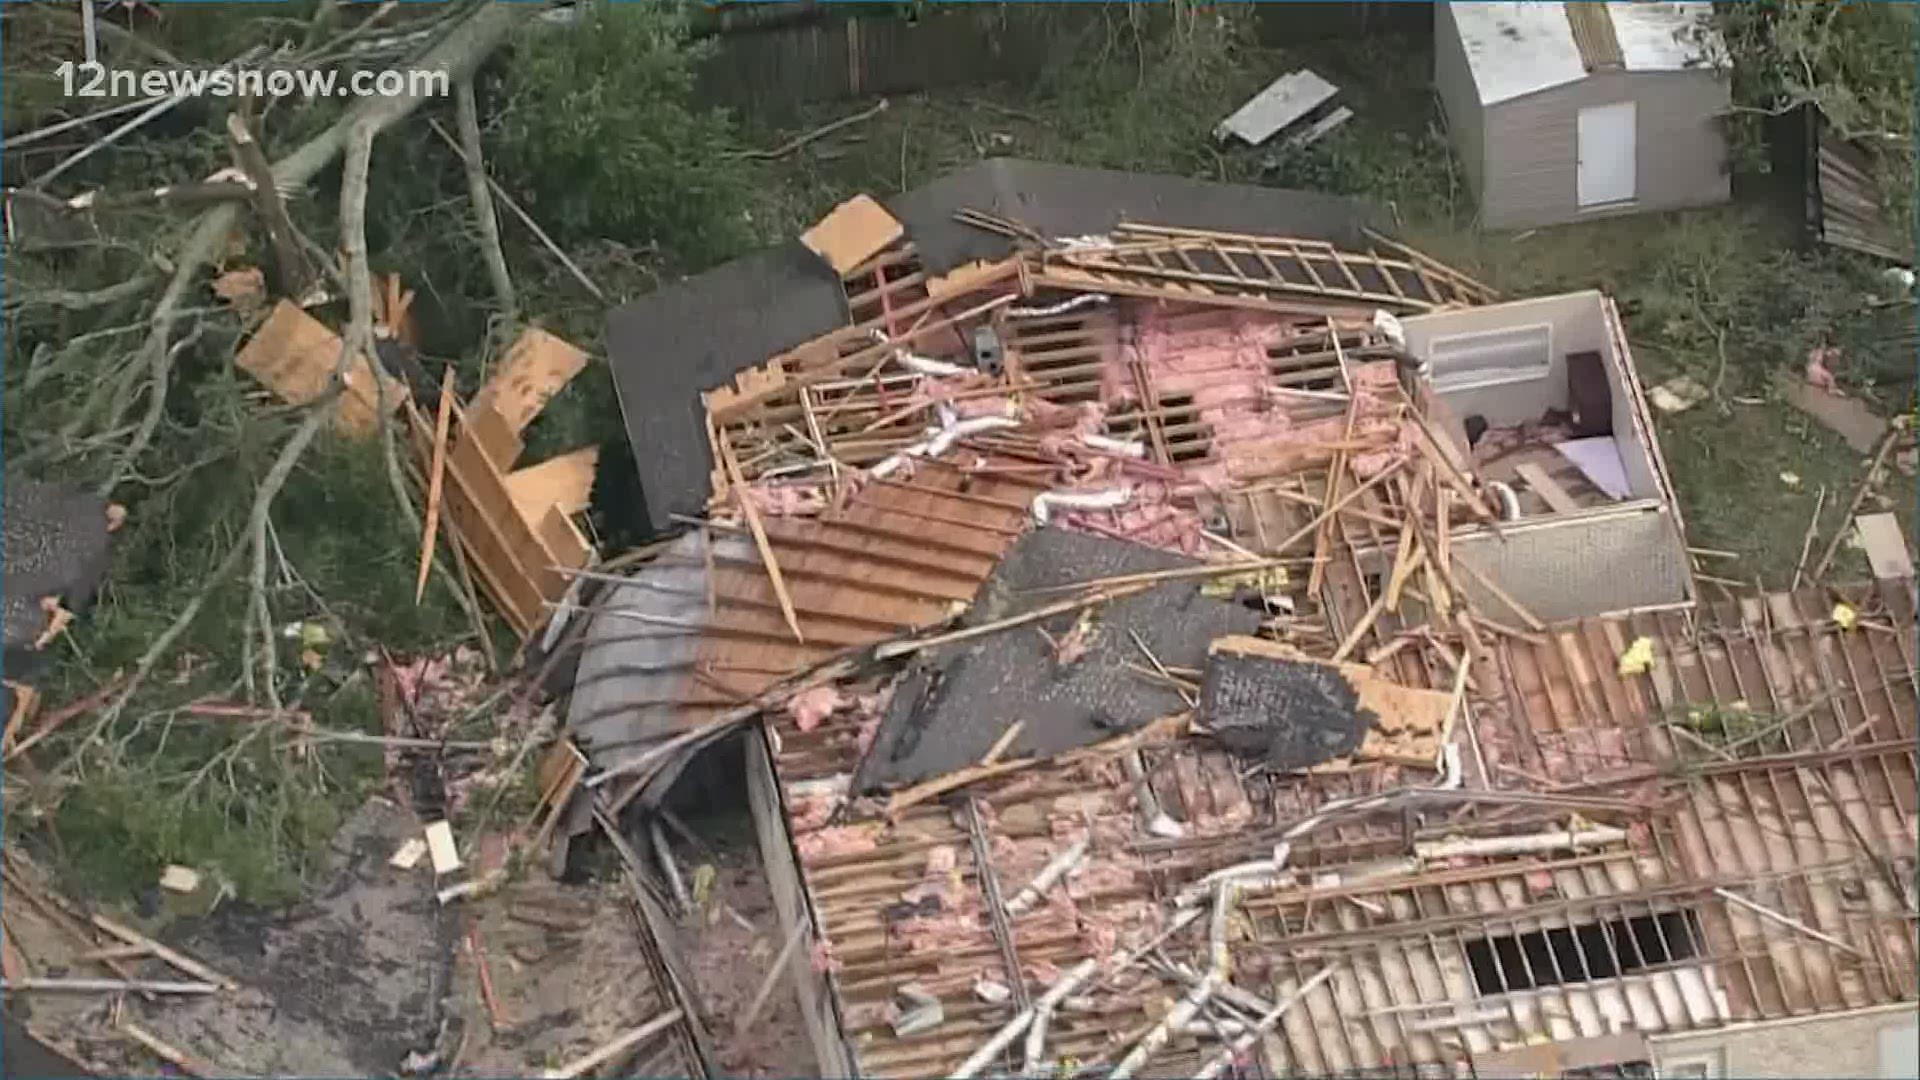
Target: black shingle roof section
x,y
669,345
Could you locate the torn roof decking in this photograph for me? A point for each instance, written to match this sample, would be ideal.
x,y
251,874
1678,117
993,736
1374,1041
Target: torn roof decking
x,y
950,714
1406,990
669,345
704,631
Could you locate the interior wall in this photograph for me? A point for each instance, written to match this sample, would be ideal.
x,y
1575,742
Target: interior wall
x,y
1578,322
1575,325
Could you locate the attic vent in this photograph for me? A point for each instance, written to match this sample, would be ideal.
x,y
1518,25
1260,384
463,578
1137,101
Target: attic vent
x,y
1491,358
1583,953
1593,34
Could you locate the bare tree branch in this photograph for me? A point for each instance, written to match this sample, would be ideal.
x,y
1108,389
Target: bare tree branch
x,y
467,115
458,54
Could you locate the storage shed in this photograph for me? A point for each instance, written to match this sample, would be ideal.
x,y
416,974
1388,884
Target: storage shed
x,y
1564,111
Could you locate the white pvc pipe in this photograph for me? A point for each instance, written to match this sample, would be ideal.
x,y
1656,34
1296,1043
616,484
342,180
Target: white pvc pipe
x,y
1044,503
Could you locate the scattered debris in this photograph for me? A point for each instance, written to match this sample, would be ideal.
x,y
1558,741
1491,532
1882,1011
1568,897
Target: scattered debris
x,y
1677,394
180,879
1885,545
1286,101
446,858
517,553
1848,417
245,288
407,855
852,233
296,356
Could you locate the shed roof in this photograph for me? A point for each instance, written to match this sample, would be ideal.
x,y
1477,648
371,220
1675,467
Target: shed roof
x,y
1516,49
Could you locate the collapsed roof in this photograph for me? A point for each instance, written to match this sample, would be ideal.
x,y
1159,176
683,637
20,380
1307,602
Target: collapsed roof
x,y
1139,645
669,345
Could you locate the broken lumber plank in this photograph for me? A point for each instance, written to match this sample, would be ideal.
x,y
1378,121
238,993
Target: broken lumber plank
x,y
295,355
167,1052
173,957
1847,417
436,476
852,233
106,986
565,481
1885,545
739,489
538,366
540,915
1285,101
1546,487
614,1049
1360,628
1879,462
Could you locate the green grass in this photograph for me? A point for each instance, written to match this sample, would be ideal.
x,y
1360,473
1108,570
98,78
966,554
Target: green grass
x,y
1727,471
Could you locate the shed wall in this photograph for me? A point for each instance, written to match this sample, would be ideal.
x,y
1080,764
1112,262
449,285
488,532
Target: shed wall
x,y
1453,80
1531,147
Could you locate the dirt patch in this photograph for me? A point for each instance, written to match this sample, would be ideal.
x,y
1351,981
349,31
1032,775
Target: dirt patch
x,y
347,983
566,972
732,938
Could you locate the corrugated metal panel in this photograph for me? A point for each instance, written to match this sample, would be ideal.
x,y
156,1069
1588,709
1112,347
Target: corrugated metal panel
x,y
1532,147
699,629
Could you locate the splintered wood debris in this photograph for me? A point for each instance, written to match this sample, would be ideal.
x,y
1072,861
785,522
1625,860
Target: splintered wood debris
x,y
1217,885
295,355
514,527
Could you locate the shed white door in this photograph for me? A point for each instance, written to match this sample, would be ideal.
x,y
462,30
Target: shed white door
x,y
1607,139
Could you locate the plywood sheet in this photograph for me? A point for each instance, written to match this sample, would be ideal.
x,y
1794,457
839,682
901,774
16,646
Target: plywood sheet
x,y
295,355
537,367
852,233
1847,417
1885,544
565,481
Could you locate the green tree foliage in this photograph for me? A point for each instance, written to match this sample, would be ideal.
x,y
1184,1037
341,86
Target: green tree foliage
x,y
1854,61
600,128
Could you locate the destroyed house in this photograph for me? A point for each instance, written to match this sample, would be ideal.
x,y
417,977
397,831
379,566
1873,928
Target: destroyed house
x,y
1179,650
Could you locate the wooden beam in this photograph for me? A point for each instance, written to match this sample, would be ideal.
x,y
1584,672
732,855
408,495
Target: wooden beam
x,y
1546,487
745,497
436,475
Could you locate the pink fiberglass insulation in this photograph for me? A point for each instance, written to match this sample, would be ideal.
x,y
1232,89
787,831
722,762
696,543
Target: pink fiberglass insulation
x,y
837,840
774,498
1152,517
1219,359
